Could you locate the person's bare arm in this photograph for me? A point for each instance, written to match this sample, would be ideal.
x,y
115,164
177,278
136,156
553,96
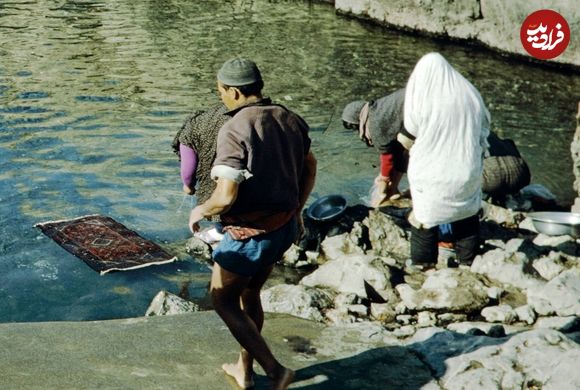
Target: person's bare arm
x,y
221,200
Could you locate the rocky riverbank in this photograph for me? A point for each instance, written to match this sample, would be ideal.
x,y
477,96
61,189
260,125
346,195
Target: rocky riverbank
x,y
186,352
503,322
511,320
492,23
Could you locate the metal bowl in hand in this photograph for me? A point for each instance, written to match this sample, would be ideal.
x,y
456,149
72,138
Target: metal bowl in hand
x,y
556,223
327,208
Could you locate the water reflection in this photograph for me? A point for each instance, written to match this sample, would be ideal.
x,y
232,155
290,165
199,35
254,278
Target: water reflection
x,y
91,93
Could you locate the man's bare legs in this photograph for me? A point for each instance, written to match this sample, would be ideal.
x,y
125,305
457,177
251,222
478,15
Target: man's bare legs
x,y
229,292
243,370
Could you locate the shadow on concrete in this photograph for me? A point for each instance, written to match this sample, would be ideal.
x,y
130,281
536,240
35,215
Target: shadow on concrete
x,y
380,368
395,367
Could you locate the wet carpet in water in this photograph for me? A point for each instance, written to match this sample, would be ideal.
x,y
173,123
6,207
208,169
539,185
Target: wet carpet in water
x,y
104,244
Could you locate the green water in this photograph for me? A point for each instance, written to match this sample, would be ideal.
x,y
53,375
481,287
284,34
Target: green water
x,y
92,92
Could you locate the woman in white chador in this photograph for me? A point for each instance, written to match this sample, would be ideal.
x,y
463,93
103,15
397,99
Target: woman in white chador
x,y
446,116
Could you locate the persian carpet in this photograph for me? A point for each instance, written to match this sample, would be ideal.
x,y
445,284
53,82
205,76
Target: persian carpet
x,y
104,244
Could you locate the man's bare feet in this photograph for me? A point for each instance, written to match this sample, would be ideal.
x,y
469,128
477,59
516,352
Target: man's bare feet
x,y
236,371
283,381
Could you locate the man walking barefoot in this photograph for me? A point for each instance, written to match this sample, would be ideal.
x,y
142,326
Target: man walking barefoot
x,y
264,170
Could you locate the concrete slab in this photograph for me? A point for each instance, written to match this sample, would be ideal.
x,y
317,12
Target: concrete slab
x,y
186,352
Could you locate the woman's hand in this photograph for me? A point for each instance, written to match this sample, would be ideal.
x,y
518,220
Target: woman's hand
x,y
380,190
188,190
384,189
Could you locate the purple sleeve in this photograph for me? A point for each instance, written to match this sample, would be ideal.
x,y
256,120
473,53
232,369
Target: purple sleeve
x,y
188,165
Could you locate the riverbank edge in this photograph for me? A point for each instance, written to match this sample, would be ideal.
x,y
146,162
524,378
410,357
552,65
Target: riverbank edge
x,y
489,24
180,351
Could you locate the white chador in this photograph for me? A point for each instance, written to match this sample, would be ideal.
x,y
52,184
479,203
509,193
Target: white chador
x,y
446,114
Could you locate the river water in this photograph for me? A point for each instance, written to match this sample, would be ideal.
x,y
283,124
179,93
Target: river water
x,y
92,92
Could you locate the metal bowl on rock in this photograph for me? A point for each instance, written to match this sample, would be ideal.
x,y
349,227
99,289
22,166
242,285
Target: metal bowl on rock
x,y
327,208
556,223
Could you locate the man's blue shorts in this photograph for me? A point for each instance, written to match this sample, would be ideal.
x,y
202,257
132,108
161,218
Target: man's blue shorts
x,y
247,257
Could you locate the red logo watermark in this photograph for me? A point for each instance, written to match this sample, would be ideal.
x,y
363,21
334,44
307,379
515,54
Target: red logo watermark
x,y
545,34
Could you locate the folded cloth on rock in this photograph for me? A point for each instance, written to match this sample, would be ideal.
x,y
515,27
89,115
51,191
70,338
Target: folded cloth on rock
x,y
104,244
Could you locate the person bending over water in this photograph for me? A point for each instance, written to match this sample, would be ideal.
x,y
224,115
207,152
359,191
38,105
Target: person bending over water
x,y
380,124
265,171
195,144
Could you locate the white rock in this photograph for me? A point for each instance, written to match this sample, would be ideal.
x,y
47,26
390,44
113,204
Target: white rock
x,y
494,292
526,314
426,319
513,245
560,296
527,224
336,247
496,243
547,267
404,319
346,299
300,301
302,264
562,324
339,317
358,310
383,312
448,318
502,313
312,257
506,267
474,375
446,289
386,236
408,297
401,308
543,357
292,255
500,215
166,304
349,275
555,241
404,331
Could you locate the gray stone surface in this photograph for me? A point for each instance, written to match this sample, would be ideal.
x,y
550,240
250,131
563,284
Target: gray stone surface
x,y
507,267
298,300
502,313
386,236
350,274
560,296
543,359
562,324
166,303
186,352
447,289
